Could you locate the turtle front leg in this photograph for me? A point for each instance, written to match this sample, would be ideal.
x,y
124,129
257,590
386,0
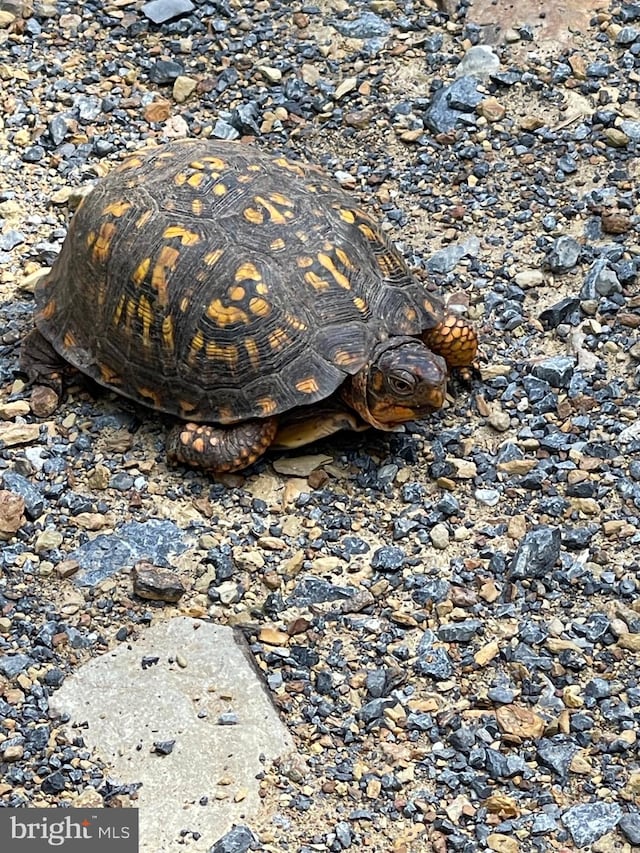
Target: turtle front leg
x,y
45,369
456,340
218,448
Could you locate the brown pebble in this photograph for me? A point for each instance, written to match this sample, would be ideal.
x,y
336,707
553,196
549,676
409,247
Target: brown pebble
x,y
44,401
156,583
11,513
616,222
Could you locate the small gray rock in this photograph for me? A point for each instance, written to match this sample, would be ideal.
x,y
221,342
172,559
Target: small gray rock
x,y
159,11
589,821
557,371
537,553
238,840
563,255
478,61
630,827
600,280
366,26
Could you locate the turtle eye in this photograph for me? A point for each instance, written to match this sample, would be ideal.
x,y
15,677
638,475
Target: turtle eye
x,y
402,383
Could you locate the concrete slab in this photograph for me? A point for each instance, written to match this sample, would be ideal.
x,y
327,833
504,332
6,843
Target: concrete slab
x,y
553,21
202,693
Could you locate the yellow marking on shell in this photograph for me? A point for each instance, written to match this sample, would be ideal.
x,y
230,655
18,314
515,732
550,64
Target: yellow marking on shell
x,y
185,302
116,208
252,351
197,207
307,385
225,315
220,189
145,313
316,281
117,314
167,260
344,358
388,264
347,215
167,333
340,278
180,179
197,342
267,405
291,167
228,353
274,214
215,163
196,179
278,338
150,394
262,288
277,244
142,220
295,322
344,258
212,258
303,236
259,307
187,238
91,238
103,242
69,340
279,198
304,261
140,272
109,376
130,312
129,163
197,164
360,304
187,407
368,232
254,167
237,292
48,311
253,215
247,271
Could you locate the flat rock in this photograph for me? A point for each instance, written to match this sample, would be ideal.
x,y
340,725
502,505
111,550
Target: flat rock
x,y
127,707
159,11
555,28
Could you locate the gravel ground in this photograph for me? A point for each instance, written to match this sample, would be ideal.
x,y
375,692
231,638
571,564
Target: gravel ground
x,y
448,619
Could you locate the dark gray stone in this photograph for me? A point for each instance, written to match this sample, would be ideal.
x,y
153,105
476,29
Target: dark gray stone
x,y
630,827
432,660
557,371
600,280
445,260
537,553
312,590
451,104
58,129
388,558
12,665
556,754
31,495
563,254
165,71
459,632
365,26
239,839
589,821
152,540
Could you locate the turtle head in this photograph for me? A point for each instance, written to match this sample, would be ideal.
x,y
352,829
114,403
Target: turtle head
x,y
402,381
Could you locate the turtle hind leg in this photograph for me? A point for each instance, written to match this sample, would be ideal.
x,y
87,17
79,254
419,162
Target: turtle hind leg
x,y
221,449
41,363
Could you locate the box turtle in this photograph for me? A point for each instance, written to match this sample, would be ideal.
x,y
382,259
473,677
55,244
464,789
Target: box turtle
x,y
246,294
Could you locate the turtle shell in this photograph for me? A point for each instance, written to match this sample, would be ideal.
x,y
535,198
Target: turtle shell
x,y
217,283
